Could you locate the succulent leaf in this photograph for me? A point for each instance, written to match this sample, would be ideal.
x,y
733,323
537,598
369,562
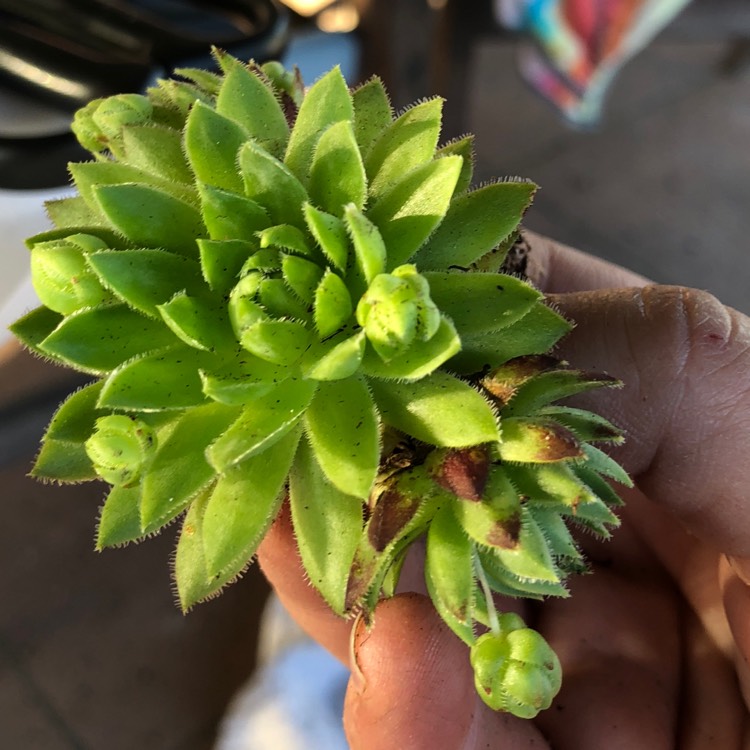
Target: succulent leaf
x,y
229,216
150,217
145,279
506,583
164,379
530,557
244,98
337,175
158,150
496,521
286,237
463,147
404,145
410,210
547,387
99,339
204,79
34,327
476,223
244,503
198,323
330,233
336,358
303,276
372,113
262,424
280,341
69,213
479,303
327,525
603,464
585,425
222,261
63,457
194,583
599,486
449,573
120,517
419,359
270,183
67,284
211,143
342,426
333,304
537,441
179,469
369,249
401,513
439,410
327,102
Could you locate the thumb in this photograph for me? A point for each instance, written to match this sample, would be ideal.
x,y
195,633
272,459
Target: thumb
x,y
685,407
412,687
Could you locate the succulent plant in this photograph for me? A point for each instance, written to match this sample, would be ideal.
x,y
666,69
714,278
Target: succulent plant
x,y
292,293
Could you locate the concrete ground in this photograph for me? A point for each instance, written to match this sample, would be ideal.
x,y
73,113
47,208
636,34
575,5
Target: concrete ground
x,y
93,653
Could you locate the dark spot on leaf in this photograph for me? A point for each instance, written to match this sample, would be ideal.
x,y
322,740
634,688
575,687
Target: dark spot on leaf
x,y
505,534
555,442
360,579
464,472
393,510
503,381
461,613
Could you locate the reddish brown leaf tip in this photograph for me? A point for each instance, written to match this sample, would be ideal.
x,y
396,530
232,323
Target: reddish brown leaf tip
x,y
464,472
504,381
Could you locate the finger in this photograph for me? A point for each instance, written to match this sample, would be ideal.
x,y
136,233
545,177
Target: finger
x,y
554,268
693,566
280,561
712,714
736,597
618,643
685,361
415,688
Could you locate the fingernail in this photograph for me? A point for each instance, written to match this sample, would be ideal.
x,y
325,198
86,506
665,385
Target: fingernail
x,y
358,633
741,566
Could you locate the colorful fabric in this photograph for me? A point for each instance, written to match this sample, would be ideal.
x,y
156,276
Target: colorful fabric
x,y
574,48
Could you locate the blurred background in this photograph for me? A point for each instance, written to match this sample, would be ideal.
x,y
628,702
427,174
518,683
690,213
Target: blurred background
x,y
93,652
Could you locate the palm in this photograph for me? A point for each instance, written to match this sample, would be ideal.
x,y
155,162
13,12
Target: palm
x,y
645,642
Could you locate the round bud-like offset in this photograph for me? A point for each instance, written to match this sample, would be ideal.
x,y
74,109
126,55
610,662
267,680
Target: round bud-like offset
x,y
515,670
395,308
119,448
88,133
62,278
428,315
115,112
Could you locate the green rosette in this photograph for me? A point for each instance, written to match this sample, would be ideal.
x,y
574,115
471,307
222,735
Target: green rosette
x,y
293,293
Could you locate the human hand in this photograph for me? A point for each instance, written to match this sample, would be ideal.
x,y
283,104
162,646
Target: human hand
x,y
655,645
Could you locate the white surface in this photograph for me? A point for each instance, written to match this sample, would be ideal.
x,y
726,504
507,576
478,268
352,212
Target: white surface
x,y
21,215
295,701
